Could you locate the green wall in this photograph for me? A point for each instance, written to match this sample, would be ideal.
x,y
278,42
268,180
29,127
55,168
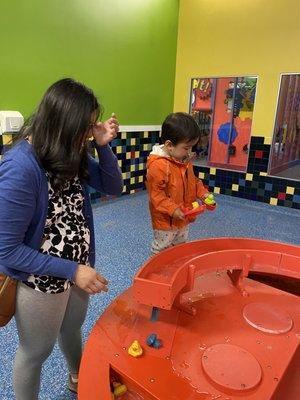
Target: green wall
x,y
125,50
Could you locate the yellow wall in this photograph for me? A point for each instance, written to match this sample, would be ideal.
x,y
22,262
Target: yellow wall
x,y
236,38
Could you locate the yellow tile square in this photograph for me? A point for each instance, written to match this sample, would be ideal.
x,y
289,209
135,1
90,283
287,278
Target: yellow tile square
x,y
128,155
141,166
119,149
290,190
201,175
249,177
123,135
132,167
7,138
273,201
133,141
132,191
120,163
141,178
216,189
263,173
268,140
146,134
132,180
212,171
235,187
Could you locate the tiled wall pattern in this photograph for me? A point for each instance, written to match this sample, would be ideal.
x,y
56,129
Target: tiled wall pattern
x,y
133,148
255,184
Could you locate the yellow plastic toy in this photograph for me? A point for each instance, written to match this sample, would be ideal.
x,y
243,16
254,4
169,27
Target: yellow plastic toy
x,y
135,350
210,200
195,204
119,389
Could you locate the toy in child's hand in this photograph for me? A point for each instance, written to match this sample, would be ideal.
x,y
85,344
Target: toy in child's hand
x,y
210,202
195,211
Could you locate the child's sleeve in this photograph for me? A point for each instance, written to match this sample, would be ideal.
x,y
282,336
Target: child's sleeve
x,y
156,186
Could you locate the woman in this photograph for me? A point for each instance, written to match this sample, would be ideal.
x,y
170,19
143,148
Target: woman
x,y
46,226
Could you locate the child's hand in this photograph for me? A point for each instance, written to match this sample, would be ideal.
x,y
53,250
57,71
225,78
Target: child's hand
x,y
107,131
178,214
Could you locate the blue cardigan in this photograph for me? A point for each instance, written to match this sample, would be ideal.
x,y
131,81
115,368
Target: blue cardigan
x,y
24,206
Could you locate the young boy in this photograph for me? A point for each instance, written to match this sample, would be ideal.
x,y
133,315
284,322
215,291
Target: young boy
x,y
171,182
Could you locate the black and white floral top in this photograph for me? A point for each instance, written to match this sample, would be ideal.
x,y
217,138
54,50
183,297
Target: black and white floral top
x,y
66,234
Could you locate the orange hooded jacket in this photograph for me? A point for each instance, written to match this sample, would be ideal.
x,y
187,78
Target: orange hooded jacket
x,y
170,184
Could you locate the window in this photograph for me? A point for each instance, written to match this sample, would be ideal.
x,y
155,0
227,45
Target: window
x,y
285,152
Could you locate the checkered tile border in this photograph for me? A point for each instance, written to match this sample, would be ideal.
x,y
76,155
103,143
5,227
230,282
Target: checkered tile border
x,y
133,148
254,184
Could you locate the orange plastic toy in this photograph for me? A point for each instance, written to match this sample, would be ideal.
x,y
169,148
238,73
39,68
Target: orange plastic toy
x,y
197,209
224,336
193,212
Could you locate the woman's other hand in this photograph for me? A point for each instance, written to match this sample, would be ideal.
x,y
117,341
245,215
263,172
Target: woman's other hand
x,y
89,280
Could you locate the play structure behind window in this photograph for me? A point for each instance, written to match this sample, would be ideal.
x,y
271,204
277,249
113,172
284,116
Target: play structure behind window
x,y
285,154
223,107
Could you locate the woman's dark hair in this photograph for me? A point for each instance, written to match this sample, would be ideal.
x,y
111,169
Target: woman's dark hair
x,y
180,127
57,130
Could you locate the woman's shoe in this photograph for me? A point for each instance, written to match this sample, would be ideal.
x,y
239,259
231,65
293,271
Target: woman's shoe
x,y
73,382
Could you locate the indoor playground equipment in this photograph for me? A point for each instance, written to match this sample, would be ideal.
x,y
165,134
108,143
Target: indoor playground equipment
x,y
223,108
193,326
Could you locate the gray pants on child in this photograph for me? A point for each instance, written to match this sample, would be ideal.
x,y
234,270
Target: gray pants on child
x,y
164,239
42,319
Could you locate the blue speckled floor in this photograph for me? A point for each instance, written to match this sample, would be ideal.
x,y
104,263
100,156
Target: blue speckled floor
x,y
123,235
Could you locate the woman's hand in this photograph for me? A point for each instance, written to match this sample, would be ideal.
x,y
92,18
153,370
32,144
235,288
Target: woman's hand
x,y
89,280
107,131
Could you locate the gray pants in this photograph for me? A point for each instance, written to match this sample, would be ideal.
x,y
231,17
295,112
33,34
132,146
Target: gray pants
x,y
42,319
165,239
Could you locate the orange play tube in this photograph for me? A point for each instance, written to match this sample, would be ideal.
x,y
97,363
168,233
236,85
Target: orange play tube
x,y
223,336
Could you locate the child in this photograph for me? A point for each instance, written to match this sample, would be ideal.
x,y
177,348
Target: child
x,y
171,182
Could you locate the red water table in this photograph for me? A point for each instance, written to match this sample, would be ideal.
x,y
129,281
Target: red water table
x,y
221,335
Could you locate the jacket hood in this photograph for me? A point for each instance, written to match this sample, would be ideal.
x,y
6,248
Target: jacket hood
x,y
158,152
